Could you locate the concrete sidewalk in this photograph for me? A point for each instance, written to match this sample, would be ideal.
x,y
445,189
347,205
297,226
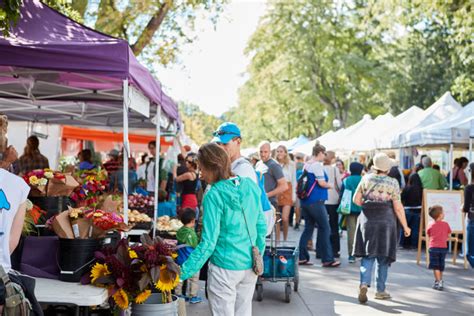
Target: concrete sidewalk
x,y
326,291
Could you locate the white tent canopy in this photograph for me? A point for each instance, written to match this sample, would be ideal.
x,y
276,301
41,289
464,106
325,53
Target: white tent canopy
x,y
402,122
454,130
440,110
364,137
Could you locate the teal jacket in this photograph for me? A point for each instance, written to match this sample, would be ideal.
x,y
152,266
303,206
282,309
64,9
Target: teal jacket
x,y
224,238
351,183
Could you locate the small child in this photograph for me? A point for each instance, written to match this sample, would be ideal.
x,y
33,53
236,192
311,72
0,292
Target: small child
x,y
439,232
187,236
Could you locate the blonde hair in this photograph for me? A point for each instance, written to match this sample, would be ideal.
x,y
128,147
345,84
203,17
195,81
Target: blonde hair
x,y
286,160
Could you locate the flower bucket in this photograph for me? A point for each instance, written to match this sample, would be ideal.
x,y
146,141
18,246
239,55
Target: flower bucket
x,y
75,257
154,306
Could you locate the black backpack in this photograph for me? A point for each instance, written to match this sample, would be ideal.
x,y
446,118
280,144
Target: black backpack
x,y
305,186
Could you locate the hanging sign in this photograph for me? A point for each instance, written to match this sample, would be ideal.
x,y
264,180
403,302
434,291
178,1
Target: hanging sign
x,y
138,102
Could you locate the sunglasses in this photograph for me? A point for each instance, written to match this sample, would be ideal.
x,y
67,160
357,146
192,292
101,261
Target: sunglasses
x,y
220,133
190,161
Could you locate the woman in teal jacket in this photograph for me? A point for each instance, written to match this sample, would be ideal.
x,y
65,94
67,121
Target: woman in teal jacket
x,y
233,222
351,183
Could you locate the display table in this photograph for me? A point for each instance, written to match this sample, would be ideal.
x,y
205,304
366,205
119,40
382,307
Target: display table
x,y
56,292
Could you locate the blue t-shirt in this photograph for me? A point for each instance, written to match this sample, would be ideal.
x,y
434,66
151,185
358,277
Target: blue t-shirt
x,y
319,193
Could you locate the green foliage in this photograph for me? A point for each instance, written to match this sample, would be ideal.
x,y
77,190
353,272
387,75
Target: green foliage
x,y
198,125
9,13
315,61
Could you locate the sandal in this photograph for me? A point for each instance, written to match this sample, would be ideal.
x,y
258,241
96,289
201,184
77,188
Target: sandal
x,y
305,263
333,264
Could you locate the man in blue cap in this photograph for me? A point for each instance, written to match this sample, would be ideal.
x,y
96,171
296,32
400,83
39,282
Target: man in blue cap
x,y
228,136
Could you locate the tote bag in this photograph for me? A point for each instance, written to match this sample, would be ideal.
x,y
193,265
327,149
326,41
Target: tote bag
x,y
346,202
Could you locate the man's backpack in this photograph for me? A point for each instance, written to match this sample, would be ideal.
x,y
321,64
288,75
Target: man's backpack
x,y
16,302
305,186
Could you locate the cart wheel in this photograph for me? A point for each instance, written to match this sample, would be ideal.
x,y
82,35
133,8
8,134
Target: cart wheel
x,y
287,292
259,292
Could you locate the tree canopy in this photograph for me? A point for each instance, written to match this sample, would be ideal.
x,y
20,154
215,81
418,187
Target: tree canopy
x,y
315,61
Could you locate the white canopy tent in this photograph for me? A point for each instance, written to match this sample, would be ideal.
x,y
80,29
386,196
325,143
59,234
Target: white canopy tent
x,y
440,110
402,122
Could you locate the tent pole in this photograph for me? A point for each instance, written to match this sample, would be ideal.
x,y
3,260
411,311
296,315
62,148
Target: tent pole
x,y
450,164
470,157
125,151
157,169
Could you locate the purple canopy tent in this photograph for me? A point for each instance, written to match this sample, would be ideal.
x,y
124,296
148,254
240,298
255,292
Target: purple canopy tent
x,y
55,70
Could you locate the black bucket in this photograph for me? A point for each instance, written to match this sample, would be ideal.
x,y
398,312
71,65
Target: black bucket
x,y
76,257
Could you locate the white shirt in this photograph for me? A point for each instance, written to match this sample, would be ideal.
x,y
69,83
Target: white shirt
x,y
289,171
141,171
150,180
334,180
13,192
243,168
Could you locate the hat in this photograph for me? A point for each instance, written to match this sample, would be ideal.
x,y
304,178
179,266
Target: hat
x,y
382,162
356,168
299,155
114,153
225,133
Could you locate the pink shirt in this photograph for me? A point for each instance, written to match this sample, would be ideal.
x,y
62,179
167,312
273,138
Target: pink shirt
x,y
439,232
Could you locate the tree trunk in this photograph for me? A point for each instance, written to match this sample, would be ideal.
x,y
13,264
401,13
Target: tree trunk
x,y
153,25
80,6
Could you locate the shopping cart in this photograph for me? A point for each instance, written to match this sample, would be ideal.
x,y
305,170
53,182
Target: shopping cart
x,y
280,264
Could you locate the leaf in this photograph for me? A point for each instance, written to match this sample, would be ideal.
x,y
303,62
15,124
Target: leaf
x,y
143,282
155,274
146,240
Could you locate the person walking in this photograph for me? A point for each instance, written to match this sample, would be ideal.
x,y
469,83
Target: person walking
x,y
299,160
431,178
332,203
412,197
32,158
314,211
287,198
376,233
233,223
351,183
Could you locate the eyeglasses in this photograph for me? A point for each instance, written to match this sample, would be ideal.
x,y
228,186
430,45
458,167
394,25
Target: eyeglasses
x,y
190,161
221,132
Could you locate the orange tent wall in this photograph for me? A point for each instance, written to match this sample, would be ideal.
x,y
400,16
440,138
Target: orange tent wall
x,y
78,133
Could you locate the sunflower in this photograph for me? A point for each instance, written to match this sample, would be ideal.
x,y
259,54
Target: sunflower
x,y
174,255
142,297
132,254
167,280
121,299
99,270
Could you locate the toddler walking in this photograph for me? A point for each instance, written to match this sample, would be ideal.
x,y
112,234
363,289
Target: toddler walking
x,y
439,232
186,235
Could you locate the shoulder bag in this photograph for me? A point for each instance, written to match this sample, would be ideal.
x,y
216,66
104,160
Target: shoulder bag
x,y
257,260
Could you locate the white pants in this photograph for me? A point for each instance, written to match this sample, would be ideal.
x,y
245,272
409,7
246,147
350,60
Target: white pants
x,y
230,292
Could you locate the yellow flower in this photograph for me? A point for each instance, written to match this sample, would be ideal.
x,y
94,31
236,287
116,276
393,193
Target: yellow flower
x,y
48,175
98,271
42,181
142,297
174,255
34,180
167,280
121,299
98,214
132,254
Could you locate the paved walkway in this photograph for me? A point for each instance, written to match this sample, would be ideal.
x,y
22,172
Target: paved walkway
x,y
326,291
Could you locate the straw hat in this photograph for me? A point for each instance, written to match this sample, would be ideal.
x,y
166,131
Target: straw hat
x,y
382,162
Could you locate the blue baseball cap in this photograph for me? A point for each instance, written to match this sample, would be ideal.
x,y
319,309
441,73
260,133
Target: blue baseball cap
x,y
226,132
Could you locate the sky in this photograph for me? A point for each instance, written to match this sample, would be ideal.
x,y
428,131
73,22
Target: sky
x,y
212,68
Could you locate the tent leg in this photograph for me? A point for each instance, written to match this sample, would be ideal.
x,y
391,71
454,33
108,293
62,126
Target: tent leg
x,y
450,164
125,151
470,157
157,169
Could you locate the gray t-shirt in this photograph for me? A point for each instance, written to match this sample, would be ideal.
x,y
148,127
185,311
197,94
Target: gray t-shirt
x,y
243,168
272,172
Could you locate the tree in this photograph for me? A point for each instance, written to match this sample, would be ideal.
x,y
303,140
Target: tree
x,y
155,29
198,125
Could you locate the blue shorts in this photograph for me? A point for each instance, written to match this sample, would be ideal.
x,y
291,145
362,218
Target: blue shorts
x,y
437,258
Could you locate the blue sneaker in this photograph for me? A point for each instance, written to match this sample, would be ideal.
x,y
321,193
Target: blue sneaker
x,y
352,259
195,300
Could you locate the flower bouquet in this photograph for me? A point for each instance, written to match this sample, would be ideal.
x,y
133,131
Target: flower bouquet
x,y
93,183
132,272
47,182
34,215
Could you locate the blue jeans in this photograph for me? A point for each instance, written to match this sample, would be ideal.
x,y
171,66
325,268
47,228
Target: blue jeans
x,y
316,214
366,269
413,221
470,242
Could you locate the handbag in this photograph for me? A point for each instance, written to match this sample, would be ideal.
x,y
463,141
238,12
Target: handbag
x,y
257,260
346,203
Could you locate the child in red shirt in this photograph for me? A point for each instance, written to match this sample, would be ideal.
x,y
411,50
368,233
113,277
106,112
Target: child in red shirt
x,y
439,232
